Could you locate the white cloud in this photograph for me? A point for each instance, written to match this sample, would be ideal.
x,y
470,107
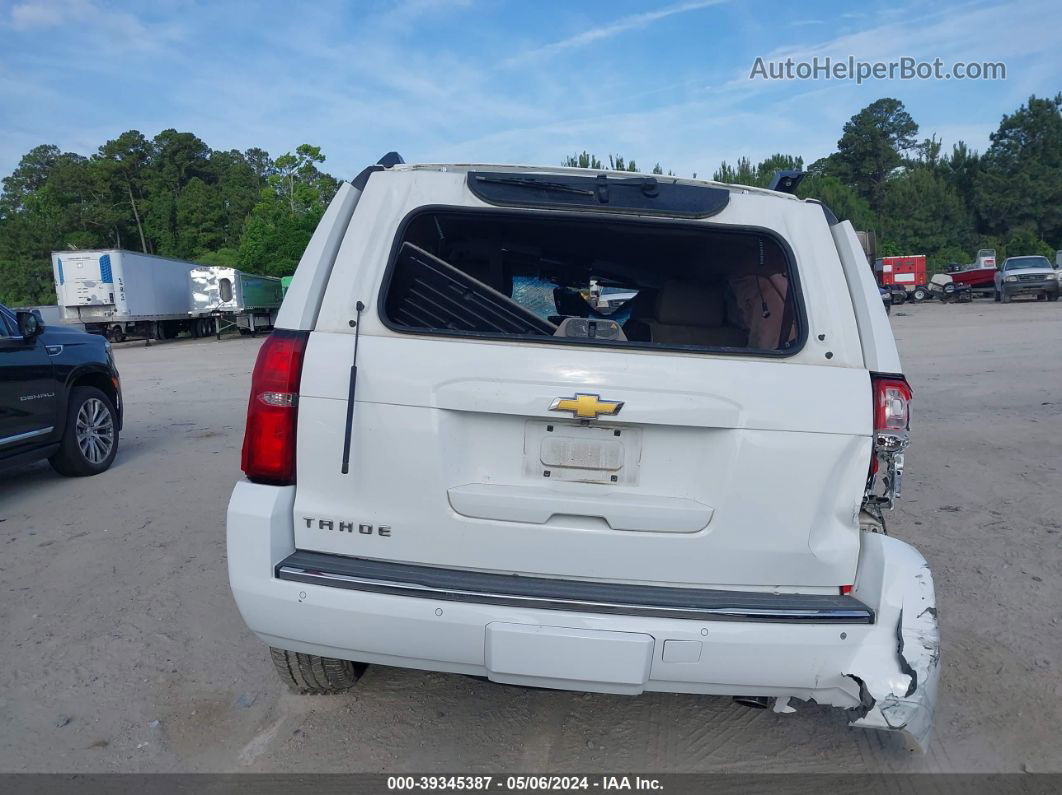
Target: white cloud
x,y
973,31
359,84
38,14
122,28
621,25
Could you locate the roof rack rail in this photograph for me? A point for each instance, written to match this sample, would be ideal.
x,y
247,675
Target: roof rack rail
x,y
390,159
786,181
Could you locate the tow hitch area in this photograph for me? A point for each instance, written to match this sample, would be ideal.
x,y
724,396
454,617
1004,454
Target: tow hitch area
x,y
900,694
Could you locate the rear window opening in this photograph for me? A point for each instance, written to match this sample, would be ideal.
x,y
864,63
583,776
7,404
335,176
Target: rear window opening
x,y
583,280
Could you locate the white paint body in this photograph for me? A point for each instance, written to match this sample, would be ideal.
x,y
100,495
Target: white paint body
x,y
116,285
734,472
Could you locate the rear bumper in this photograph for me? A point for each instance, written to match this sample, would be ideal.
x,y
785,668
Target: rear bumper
x,y
427,582
884,672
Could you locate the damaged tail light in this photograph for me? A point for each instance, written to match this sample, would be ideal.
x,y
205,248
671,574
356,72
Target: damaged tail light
x,y
273,409
892,419
892,412
892,399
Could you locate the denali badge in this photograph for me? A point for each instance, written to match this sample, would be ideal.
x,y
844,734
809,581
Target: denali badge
x,y
587,406
349,527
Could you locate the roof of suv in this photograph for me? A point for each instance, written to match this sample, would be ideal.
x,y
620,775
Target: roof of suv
x,y
524,169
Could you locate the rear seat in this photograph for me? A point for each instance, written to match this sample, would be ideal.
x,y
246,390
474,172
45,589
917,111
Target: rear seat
x,y
690,314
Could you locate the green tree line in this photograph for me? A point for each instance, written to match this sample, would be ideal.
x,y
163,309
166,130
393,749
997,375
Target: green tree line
x,y
916,199
171,195
174,196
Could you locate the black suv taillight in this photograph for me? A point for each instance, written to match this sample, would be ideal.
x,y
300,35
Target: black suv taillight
x,y
273,409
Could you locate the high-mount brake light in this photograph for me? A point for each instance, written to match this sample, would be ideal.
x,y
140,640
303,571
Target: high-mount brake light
x,y
272,410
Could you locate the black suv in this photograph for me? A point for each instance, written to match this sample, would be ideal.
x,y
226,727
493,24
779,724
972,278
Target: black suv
x,y
60,396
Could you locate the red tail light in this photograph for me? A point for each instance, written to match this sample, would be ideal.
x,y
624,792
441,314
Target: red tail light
x,y
892,415
892,398
273,409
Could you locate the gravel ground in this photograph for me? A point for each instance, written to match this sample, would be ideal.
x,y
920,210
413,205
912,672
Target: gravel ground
x,y
123,650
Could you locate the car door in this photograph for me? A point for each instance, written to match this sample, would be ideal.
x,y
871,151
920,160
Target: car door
x,y
29,395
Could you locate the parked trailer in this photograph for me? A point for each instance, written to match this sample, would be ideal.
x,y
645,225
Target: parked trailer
x,y
906,273
121,293
248,301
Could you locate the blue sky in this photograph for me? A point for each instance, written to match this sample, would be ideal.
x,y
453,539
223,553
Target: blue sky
x,y
500,80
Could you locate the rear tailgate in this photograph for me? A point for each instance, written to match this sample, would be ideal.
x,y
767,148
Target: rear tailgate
x,y
713,483
719,470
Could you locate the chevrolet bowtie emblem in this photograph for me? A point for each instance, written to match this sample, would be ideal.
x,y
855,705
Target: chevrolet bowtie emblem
x,y
587,406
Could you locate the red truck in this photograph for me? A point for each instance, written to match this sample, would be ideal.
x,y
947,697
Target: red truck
x,y
903,273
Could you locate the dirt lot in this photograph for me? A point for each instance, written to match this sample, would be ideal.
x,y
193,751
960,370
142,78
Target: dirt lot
x,y
123,650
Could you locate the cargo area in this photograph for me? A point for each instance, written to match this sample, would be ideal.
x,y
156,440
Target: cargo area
x,y
668,284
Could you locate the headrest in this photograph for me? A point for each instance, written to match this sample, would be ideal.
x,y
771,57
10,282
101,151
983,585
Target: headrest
x,y
687,304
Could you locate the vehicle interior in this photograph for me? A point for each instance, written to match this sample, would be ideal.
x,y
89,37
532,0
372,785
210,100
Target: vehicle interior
x,y
614,282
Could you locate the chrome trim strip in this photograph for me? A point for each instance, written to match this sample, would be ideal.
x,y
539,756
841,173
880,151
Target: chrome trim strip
x,y
778,615
21,437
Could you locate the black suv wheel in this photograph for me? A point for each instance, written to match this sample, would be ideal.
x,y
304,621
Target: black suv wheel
x,y
90,436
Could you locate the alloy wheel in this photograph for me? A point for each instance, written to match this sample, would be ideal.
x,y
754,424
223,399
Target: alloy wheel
x,y
95,431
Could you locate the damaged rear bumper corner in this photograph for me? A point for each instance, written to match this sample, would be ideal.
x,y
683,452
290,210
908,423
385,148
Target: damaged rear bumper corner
x,y
898,686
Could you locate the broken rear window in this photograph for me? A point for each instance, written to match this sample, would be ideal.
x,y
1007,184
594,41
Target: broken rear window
x,y
583,280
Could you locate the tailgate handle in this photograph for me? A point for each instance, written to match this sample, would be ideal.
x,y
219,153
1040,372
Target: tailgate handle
x,y
537,505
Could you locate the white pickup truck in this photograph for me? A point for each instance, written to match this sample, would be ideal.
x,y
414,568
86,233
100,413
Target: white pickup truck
x,y
453,463
1033,275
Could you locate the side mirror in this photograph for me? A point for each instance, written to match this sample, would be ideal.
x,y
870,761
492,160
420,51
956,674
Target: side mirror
x,y
29,325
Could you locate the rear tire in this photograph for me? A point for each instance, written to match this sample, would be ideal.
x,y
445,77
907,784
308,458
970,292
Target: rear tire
x,y
920,294
312,675
90,412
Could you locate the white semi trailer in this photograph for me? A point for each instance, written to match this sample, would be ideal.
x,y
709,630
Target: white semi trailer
x,y
122,293
232,296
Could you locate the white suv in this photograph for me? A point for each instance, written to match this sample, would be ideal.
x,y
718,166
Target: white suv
x,y
456,462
